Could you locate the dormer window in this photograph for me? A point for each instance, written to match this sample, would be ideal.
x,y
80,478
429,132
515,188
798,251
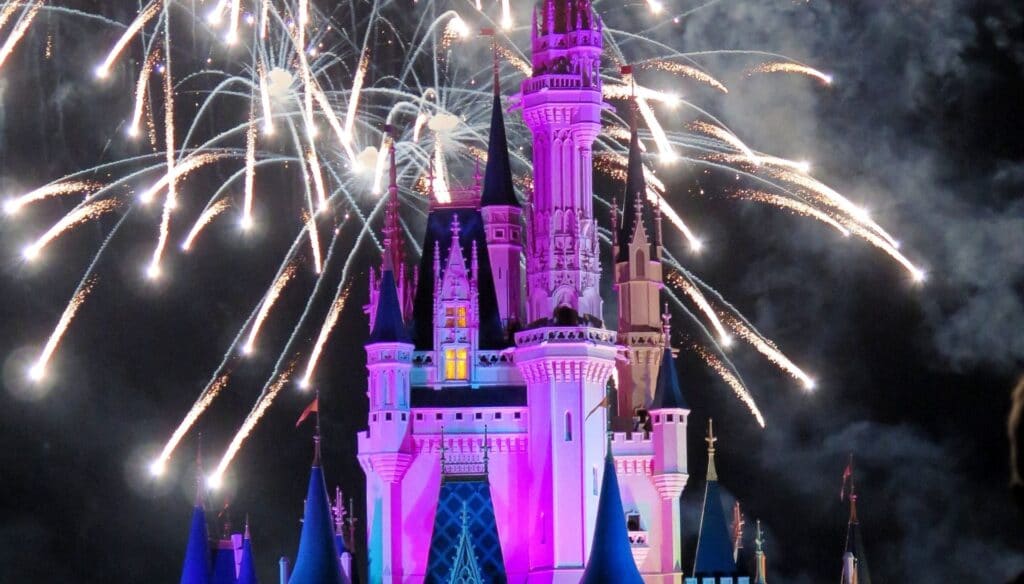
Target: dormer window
x,y
455,316
455,364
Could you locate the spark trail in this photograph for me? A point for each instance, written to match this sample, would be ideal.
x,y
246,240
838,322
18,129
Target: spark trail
x,y
325,332
688,288
730,379
262,403
268,302
204,219
38,370
767,348
83,213
140,91
686,71
209,393
140,21
12,206
791,67
19,31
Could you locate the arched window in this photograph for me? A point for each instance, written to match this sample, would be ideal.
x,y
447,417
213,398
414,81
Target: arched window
x,y
568,427
640,264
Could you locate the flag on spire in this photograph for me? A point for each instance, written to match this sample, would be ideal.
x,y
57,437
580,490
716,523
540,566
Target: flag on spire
x,y
312,408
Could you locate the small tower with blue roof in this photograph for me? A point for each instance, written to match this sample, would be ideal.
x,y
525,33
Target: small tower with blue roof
x,y
714,563
611,559
196,569
317,559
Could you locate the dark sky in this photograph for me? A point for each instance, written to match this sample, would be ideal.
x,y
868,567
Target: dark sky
x,y
923,123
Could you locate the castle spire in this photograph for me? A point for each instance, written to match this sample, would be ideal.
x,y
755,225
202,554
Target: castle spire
x,y
196,568
393,249
247,566
714,548
611,559
317,561
636,212
388,325
498,186
668,393
855,563
761,576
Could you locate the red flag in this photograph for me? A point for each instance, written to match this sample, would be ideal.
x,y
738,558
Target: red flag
x,y
487,31
626,70
847,474
312,408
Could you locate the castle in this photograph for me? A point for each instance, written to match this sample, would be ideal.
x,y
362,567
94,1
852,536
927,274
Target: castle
x,y
498,448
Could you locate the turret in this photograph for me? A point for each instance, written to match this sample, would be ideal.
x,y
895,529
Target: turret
x,y
611,559
196,569
502,216
385,448
855,563
247,566
669,413
714,562
760,557
317,559
394,249
637,251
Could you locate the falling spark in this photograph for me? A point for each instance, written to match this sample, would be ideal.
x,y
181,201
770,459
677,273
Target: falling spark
x,y
628,91
38,370
325,333
318,180
357,88
421,119
793,205
440,185
688,288
264,18
314,241
140,91
171,199
217,13
655,6
917,274
729,138
13,206
730,379
666,209
140,21
268,302
209,393
204,219
665,152
80,215
506,15
262,403
687,71
513,59
268,113
768,349
19,31
236,9
9,9
455,29
791,67
332,120
378,170
179,171
250,169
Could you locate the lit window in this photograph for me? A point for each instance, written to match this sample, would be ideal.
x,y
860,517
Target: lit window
x,y
462,316
455,366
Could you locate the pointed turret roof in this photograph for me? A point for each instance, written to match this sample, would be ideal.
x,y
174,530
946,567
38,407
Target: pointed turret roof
x,y
855,562
611,559
668,393
465,567
224,562
388,326
317,561
636,211
498,186
714,546
196,569
247,567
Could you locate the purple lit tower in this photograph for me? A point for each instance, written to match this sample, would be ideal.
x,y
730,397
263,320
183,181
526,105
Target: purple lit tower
x,y
485,383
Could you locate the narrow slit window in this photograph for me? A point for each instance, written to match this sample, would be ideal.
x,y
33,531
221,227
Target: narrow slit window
x,y
568,427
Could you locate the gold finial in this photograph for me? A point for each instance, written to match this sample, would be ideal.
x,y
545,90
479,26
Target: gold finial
x,y
710,439
666,326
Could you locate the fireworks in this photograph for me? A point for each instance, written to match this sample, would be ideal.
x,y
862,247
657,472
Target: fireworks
x,y
299,67
791,67
38,370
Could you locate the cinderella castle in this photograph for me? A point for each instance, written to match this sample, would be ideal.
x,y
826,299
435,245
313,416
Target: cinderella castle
x,y
511,436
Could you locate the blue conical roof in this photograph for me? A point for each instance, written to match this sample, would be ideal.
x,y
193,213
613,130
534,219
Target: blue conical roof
x,y
197,554
317,561
714,545
388,326
224,563
247,567
668,394
498,187
611,559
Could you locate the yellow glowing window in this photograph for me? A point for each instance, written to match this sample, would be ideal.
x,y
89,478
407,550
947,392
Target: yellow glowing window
x,y
455,366
462,316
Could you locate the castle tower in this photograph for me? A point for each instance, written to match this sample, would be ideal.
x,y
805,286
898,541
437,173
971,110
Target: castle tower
x,y
385,447
637,250
395,250
760,557
567,357
562,106
714,562
317,559
669,414
196,569
855,563
247,567
456,310
502,218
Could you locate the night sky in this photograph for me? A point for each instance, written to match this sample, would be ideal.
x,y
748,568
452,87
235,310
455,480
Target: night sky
x,y
923,124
